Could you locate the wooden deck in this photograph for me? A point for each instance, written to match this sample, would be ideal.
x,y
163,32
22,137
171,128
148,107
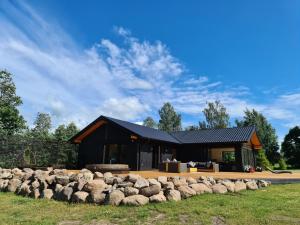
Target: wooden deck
x,y
222,175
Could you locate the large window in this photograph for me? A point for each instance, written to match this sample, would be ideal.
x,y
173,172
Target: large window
x,y
115,153
228,157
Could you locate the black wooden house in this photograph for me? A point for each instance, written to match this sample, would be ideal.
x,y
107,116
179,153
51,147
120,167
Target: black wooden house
x,y
107,141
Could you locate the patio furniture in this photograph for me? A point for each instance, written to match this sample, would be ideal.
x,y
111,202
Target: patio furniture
x,y
173,167
205,167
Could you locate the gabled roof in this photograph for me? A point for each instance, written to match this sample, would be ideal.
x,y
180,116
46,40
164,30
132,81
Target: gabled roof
x,y
142,131
145,132
209,136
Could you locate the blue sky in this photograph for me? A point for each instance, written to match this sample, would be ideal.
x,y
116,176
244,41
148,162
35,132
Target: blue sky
x,y
126,58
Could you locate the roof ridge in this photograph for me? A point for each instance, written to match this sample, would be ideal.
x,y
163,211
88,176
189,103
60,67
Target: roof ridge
x,y
107,117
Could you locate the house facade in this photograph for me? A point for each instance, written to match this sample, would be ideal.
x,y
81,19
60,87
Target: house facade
x,y
111,141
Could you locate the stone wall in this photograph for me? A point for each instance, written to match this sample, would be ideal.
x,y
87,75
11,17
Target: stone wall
x,y
107,188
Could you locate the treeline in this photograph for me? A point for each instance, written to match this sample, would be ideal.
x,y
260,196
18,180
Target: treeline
x,y
216,116
42,145
38,146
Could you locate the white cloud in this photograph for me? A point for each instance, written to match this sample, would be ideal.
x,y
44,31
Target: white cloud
x,y
127,80
126,108
196,81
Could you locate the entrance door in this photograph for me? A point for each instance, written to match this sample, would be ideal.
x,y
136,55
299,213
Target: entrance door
x,y
155,157
146,157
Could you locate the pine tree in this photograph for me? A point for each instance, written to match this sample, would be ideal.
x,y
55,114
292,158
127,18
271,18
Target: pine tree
x,y
169,119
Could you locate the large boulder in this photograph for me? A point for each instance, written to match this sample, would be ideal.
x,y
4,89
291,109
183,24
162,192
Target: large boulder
x,y
65,194
116,197
151,190
251,185
262,183
80,196
24,189
63,180
211,180
85,175
229,185
28,170
59,172
206,182
135,200
141,183
154,182
180,182
27,176
35,193
118,179
3,184
17,173
107,175
200,188
109,180
50,179
40,174
13,184
239,186
191,180
125,184
186,191
94,185
97,197
47,194
35,184
219,189
162,179
173,195
6,174
158,198
80,184
168,185
98,175
128,191
58,188
133,178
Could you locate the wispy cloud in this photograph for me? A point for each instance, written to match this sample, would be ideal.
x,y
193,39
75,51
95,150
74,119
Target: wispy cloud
x,y
129,79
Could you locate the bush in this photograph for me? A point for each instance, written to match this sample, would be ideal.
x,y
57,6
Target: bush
x,y
282,164
262,160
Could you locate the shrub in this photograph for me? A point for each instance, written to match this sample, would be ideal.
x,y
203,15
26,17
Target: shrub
x,y
282,164
262,160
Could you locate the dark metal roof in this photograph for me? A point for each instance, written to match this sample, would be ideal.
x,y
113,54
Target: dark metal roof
x,y
209,136
145,132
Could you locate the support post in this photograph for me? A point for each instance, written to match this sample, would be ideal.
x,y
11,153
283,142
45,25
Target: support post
x,y
104,151
239,157
138,156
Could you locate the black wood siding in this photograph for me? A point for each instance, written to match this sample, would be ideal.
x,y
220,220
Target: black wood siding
x,y
193,152
91,148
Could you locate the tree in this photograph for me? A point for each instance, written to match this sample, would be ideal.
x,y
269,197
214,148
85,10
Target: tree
x,y
290,147
215,116
191,128
262,160
67,154
169,119
149,122
42,125
282,164
265,132
64,133
11,121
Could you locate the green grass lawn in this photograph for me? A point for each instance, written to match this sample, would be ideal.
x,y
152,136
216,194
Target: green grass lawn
x,y
278,204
